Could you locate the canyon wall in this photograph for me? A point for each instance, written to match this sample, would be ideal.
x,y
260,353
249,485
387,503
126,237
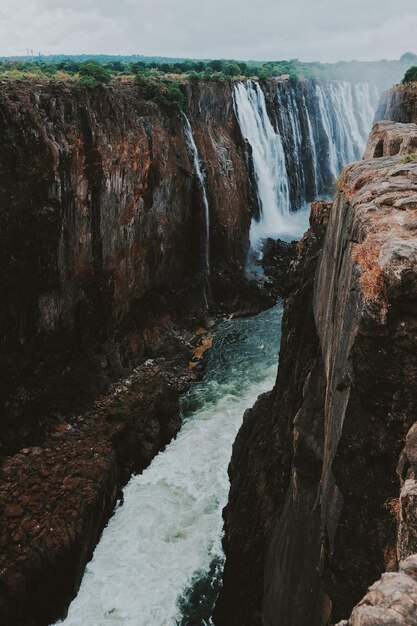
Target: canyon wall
x,y
102,278
102,227
398,104
309,524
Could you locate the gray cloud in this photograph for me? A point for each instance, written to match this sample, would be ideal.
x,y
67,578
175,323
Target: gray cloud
x,y
326,30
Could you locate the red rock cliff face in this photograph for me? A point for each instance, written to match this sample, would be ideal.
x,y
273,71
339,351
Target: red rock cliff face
x,y
102,233
308,526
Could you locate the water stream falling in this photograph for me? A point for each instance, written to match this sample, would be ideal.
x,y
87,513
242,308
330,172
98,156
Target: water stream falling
x,y
200,177
297,156
268,160
166,538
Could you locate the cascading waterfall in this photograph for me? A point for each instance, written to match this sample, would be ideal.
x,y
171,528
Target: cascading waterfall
x,y
200,177
350,108
314,130
268,159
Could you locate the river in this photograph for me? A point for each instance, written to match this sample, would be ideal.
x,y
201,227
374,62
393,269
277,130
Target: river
x,y
159,560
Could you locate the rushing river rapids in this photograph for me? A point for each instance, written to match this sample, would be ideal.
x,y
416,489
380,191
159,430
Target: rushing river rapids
x,y
159,559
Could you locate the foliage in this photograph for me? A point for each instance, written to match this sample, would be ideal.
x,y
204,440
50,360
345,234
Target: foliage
x,y
100,69
164,90
410,75
232,69
293,77
93,74
410,157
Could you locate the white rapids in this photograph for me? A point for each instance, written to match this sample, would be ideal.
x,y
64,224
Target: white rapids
x,y
168,531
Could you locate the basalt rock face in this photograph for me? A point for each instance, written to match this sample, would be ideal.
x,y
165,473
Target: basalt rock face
x,y
262,451
399,104
101,277
102,227
309,524
393,599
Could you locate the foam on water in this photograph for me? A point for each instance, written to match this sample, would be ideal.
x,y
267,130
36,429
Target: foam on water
x,y
168,531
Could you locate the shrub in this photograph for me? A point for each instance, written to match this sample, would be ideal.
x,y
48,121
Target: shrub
x,y
232,69
169,94
409,157
411,75
194,77
217,76
293,78
163,90
93,74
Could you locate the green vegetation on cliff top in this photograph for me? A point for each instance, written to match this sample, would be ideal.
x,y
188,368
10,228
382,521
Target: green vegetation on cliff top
x,y
100,69
410,75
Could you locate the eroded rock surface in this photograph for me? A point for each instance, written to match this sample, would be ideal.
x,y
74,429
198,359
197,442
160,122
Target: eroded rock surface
x,y
308,527
391,138
392,601
101,279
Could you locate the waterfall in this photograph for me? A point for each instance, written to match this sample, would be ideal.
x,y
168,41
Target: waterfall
x,y
297,153
200,177
347,111
268,160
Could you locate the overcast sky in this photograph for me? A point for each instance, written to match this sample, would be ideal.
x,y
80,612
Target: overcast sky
x,y
325,30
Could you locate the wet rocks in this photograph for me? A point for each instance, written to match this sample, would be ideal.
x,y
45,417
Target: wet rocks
x,y
276,260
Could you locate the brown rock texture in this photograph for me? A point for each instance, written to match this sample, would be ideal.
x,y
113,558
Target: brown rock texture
x,y
101,279
392,601
102,236
390,138
308,525
399,104
56,498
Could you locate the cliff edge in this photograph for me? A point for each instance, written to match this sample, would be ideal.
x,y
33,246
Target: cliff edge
x,y
309,523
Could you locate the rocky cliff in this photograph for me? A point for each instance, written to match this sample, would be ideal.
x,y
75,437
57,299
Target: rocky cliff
x,y
310,523
399,104
102,277
102,229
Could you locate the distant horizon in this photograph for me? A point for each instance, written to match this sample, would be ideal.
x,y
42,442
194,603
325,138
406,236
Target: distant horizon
x,y
33,56
329,30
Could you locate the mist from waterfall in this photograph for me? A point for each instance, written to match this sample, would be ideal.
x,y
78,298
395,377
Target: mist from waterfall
x,y
298,137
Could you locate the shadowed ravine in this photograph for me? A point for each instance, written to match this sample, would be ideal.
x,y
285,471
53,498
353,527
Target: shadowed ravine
x,y
166,538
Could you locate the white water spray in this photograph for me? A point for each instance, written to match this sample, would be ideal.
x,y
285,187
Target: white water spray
x,y
318,131
268,161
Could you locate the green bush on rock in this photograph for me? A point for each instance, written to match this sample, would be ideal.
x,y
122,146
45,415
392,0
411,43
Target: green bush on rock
x,y
411,75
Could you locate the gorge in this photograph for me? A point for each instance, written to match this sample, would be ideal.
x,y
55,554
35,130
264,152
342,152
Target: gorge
x,y
140,222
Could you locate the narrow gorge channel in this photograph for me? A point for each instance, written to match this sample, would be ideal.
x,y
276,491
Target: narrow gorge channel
x,y
166,537
146,225
160,559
